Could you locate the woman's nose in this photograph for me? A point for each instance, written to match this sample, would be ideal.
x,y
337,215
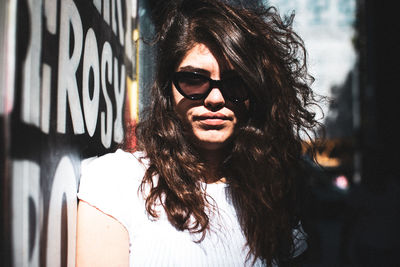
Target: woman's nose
x,y
215,99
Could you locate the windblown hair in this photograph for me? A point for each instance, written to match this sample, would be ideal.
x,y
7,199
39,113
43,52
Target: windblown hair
x,y
265,154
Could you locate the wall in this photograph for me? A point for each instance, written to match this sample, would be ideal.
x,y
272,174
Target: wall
x,y
68,93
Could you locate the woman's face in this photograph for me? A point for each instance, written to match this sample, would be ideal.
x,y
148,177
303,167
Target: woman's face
x,y
212,120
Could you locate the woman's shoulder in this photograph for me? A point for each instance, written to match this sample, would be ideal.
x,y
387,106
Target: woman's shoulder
x,y
111,182
113,170
119,158
118,166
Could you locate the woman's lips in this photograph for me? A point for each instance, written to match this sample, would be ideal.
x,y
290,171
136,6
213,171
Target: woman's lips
x,y
212,119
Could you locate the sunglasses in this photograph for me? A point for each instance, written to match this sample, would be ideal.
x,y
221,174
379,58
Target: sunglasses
x,y
195,86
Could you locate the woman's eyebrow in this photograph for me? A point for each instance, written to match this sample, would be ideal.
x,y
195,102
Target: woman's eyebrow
x,y
194,69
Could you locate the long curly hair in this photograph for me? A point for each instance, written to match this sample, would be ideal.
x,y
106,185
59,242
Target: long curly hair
x,y
264,158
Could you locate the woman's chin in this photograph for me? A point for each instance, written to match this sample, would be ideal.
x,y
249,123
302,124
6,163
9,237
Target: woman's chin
x,y
212,144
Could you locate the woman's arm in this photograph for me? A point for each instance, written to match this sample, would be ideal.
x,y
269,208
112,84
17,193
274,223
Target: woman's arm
x,y
101,240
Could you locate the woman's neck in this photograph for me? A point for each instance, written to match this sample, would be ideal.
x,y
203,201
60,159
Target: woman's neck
x,y
213,161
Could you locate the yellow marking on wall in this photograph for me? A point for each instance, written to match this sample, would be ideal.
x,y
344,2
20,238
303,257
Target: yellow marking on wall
x,y
136,40
135,35
133,98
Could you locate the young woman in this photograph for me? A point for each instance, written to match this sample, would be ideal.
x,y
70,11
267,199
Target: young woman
x,y
212,179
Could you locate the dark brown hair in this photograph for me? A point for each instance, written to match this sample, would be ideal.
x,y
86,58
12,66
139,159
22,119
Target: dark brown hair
x,y
264,159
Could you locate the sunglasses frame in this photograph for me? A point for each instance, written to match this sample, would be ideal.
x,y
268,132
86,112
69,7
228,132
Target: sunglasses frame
x,y
213,84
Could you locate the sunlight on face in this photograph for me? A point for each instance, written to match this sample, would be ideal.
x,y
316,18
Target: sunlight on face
x,y
211,121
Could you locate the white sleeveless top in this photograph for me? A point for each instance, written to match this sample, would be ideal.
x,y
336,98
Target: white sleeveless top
x,y
111,182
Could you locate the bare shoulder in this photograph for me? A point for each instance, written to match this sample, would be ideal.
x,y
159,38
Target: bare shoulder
x,y
101,239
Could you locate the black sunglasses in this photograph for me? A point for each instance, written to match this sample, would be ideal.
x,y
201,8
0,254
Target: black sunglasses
x,y
195,86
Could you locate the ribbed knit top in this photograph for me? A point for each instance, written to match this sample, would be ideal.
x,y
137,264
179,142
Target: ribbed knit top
x,y
110,183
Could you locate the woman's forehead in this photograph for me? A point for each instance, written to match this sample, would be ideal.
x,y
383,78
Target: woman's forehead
x,y
201,58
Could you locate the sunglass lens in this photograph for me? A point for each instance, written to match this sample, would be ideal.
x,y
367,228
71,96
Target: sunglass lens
x,y
235,89
193,85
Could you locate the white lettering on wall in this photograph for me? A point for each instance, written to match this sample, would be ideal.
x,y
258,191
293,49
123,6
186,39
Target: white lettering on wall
x,y
97,4
106,11
50,10
45,99
31,67
113,17
116,13
130,9
26,195
64,184
77,100
120,24
67,66
119,90
25,190
106,64
91,62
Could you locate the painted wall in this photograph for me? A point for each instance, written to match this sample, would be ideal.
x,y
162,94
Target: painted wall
x,y
69,92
